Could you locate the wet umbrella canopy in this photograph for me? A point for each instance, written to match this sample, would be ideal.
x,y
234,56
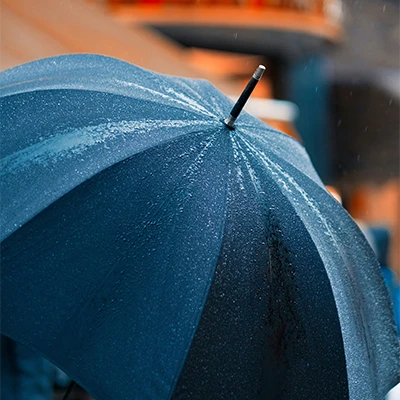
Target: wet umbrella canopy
x,y
151,252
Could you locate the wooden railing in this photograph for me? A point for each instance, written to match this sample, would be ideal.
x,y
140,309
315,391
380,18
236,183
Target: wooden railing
x,y
328,8
320,18
292,4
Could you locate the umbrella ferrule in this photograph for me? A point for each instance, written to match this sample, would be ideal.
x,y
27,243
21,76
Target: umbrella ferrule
x,y
230,122
259,72
248,90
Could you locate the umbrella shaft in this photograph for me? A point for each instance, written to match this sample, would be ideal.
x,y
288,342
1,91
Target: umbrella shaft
x,y
248,90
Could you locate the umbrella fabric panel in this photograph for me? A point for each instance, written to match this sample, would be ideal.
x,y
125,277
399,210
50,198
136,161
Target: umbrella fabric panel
x,y
355,278
143,305
270,327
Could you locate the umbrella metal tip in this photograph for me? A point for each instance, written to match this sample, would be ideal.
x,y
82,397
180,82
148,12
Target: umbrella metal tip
x,y
230,122
259,72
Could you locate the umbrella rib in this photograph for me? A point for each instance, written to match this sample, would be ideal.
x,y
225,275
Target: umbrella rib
x,y
253,177
211,105
81,139
262,129
281,159
179,104
103,82
202,111
166,96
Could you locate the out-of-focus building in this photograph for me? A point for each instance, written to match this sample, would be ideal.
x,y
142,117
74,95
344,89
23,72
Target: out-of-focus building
x,y
365,75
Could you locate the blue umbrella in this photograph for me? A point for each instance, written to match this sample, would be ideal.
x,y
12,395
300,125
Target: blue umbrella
x,y
151,252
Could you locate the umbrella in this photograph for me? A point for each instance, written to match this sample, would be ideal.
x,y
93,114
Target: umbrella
x,y
150,251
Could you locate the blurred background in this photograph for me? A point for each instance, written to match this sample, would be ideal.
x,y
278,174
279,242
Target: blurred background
x,y
332,80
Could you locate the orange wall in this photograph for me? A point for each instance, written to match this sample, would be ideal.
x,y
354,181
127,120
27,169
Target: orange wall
x,y
380,205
